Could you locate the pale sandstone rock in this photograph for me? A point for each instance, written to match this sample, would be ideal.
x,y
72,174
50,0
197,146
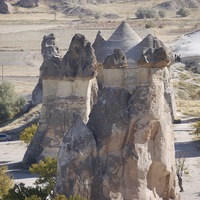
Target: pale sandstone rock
x,y
116,60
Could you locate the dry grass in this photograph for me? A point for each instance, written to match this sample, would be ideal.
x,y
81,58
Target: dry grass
x,y
188,107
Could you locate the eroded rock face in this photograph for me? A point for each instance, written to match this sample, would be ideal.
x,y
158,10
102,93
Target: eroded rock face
x,y
5,7
28,3
79,149
116,60
80,60
134,143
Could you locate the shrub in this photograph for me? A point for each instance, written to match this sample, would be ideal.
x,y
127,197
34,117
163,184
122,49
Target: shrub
x,y
162,13
47,171
5,181
150,13
28,133
33,197
20,192
142,13
97,15
10,105
150,24
183,12
197,130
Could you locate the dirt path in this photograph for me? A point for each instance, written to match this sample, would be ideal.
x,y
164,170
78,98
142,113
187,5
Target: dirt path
x,y
186,147
11,155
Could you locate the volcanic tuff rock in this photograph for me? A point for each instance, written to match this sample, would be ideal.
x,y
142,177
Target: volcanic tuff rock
x,y
116,60
28,3
80,60
5,7
69,89
50,66
131,155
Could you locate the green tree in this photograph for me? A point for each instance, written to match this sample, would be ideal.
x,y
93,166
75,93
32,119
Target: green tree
x,y
5,181
10,104
20,192
28,133
47,170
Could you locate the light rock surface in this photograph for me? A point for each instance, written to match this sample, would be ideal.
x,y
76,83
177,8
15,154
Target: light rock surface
x,y
5,7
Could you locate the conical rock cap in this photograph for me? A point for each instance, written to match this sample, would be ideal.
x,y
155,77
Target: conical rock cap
x,y
123,38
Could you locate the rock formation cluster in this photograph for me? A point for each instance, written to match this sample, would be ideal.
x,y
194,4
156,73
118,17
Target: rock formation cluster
x,y
5,7
114,141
